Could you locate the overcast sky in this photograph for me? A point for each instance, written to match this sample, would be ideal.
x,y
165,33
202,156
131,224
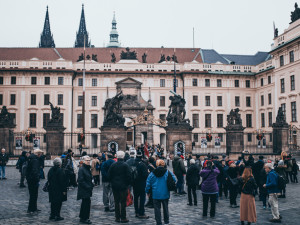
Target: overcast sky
x,y
228,26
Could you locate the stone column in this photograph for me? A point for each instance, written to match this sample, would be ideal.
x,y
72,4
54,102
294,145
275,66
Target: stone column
x,y
6,131
55,140
280,133
113,134
234,140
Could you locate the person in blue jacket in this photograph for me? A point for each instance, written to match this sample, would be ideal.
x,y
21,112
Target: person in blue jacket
x,y
273,190
157,180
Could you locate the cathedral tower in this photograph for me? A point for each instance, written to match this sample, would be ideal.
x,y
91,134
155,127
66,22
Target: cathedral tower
x,y
46,36
114,42
82,35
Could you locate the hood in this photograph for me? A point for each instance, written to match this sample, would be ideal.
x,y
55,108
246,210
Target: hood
x,y
24,153
32,156
176,158
160,171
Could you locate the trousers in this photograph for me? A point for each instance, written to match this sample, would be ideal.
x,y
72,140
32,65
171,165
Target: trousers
x,y
33,189
273,201
55,209
85,209
157,206
120,204
213,199
2,169
139,201
108,197
192,189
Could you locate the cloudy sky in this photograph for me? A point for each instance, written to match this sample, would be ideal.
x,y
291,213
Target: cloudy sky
x,y
228,26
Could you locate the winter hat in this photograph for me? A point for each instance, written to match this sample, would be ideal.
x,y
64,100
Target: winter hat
x,y
230,162
132,153
281,163
139,154
120,154
192,161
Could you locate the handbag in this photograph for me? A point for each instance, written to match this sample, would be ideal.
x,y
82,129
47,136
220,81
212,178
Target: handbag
x,y
170,182
200,185
46,187
129,199
234,181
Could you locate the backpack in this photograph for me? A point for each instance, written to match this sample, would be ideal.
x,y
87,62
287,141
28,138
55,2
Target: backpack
x,y
18,164
134,173
281,182
170,182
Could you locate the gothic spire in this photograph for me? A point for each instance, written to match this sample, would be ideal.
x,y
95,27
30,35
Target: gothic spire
x,y
82,35
46,36
114,42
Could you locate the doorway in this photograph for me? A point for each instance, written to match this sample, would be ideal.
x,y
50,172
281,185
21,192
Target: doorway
x,y
144,137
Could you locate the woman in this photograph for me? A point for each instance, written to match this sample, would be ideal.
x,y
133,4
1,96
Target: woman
x,y
57,189
209,187
247,202
95,167
232,180
281,171
192,180
85,189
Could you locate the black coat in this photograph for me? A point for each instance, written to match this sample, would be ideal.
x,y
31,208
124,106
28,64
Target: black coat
x,y
119,176
57,184
192,175
248,187
33,169
85,184
3,159
140,183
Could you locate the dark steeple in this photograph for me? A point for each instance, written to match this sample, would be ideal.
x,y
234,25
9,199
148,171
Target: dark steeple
x,y
82,35
46,36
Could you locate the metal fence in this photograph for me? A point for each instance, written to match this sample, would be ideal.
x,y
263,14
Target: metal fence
x,y
214,143
256,143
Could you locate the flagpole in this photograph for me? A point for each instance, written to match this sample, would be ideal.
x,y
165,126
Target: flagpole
x,y
174,83
83,92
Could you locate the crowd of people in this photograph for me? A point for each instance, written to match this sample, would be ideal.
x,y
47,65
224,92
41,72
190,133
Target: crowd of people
x,y
133,176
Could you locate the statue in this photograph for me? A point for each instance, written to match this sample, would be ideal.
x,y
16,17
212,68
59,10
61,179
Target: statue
x,y
296,14
162,58
177,113
128,54
234,118
88,57
6,119
276,33
144,58
94,57
174,58
56,118
80,58
168,58
113,58
280,119
113,109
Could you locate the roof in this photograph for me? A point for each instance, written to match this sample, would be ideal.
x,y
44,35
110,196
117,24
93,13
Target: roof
x,y
103,54
211,56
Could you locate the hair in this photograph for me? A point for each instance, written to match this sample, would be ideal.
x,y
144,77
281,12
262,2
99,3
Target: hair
x,y
95,155
69,150
57,162
192,161
83,153
247,174
160,163
151,160
269,165
209,164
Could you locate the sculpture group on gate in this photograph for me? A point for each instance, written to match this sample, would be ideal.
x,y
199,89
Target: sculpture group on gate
x,y
113,107
6,119
234,118
177,113
56,117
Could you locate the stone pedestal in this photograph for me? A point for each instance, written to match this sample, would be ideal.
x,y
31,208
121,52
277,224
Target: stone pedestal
x,y
280,138
110,134
234,140
179,134
55,140
7,139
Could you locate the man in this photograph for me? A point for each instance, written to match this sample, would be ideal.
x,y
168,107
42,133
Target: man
x,y
272,186
3,162
179,171
33,179
120,178
108,198
22,159
139,185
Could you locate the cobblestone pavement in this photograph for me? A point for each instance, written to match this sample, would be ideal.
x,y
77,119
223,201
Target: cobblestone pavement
x,y
14,201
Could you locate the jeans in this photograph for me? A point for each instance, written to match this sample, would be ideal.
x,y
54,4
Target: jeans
x,y
288,173
108,198
157,206
2,169
96,180
233,194
33,188
273,201
213,198
192,189
179,184
85,209
295,177
55,209
120,203
223,188
139,201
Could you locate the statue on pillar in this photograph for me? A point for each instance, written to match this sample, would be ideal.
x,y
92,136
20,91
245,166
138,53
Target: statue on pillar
x,y
56,118
113,108
177,113
6,120
280,119
234,120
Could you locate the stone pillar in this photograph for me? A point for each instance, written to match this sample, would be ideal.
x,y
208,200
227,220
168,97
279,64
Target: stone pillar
x,y
280,133
55,140
113,134
234,140
7,140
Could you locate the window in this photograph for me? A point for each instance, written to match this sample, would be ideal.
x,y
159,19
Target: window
x,y
94,120
1,99
236,83
294,111
13,117
262,100
129,136
62,118
94,82
196,120
195,100
60,81
79,120
249,137
269,80
262,120
207,100
247,83
175,81
248,120
33,80
162,117
291,53
1,80
80,100
94,141
60,99
283,107
207,120
270,98
80,82
281,60
46,118
282,85
195,82
219,83
196,139
270,119
262,82
47,80
12,99
162,101
207,82
219,100
94,100
32,120
248,101
46,99
13,80
162,82
237,101
219,120
33,99
292,82
220,135
271,137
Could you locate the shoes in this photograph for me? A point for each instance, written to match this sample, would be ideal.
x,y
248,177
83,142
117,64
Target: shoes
x,y
52,218
195,204
106,209
264,207
22,186
212,217
275,220
150,206
117,220
59,218
183,193
234,206
124,220
38,210
4,178
137,215
112,210
190,204
85,221
280,217
143,217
